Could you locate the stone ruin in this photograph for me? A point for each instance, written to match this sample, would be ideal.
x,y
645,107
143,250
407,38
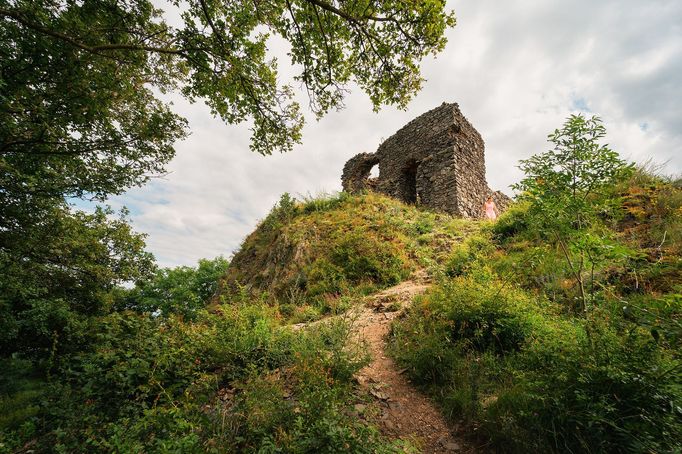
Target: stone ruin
x,y
437,160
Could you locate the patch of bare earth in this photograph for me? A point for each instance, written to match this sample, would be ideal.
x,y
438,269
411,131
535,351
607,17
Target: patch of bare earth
x,y
403,412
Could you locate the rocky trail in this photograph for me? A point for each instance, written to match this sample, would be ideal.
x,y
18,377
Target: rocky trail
x,y
395,405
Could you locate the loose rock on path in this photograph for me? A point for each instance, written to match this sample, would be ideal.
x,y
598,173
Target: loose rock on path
x,y
405,412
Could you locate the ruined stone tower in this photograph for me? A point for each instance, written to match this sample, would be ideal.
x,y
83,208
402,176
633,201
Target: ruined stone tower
x,y
436,160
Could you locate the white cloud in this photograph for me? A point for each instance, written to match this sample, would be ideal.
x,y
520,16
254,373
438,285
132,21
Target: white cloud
x,y
517,68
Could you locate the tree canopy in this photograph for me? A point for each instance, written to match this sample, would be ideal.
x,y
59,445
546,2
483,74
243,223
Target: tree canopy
x,y
181,290
82,116
56,273
79,111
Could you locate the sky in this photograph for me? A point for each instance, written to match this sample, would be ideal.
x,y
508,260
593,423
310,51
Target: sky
x,y
517,68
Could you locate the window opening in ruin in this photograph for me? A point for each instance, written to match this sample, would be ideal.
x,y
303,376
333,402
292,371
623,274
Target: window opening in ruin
x,y
410,182
374,171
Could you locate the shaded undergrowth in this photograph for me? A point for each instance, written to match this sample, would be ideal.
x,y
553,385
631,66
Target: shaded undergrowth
x,y
237,381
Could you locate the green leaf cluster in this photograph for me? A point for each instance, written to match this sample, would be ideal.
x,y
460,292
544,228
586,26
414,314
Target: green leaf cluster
x,y
236,381
181,290
569,196
498,354
60,271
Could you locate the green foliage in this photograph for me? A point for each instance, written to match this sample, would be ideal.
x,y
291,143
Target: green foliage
x,y
182,290
323,203
566,190
92,67
464,256
355,259
283,212
493,343
20,389
565,185
424,223
661,316
232,382
614,392
534,380
363,258
58,272
323,277
512,222
297,408
319,250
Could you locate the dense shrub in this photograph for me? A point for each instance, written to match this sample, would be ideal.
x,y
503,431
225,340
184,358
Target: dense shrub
x,y
494,343
363,258
609,393
181,290
230,382
532,379
57,271
463,256
512,222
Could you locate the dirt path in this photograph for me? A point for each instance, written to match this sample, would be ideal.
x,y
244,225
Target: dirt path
x,y
397,407
404,412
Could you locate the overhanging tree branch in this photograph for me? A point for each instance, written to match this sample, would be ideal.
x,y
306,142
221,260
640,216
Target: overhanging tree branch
x,y
331,8
93,49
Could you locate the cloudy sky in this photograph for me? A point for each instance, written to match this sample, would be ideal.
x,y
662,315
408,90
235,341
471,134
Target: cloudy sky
x,y
517,69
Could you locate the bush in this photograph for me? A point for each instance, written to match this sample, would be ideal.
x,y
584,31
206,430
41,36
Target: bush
x,y
324,277
283,212
512,222
531,379
230,382
181,290
604,392
462,258
462,316
367,259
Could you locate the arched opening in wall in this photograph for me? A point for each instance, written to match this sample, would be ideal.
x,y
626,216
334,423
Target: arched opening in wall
x,y
356,173
409,180
374,171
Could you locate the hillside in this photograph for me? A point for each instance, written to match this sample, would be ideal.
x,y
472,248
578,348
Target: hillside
x,y
310,257
502,339
509,347
247,375
361,324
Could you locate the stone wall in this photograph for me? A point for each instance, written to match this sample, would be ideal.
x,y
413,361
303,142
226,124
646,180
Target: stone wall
x,y
436,160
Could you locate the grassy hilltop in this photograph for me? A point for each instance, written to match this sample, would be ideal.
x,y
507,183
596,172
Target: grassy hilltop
x,y
314,257
499,341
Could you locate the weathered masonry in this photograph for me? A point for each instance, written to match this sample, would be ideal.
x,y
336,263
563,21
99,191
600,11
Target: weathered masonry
x,y
436,160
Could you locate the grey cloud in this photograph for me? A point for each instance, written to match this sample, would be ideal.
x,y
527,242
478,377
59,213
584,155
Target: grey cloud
x,y
516,68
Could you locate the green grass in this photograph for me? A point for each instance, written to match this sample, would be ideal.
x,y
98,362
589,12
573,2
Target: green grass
x,y
237,381
316,252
